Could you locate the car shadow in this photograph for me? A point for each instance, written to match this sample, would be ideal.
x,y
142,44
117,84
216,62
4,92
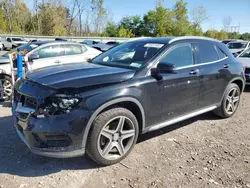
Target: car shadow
x,y
16,159
5,104
247,88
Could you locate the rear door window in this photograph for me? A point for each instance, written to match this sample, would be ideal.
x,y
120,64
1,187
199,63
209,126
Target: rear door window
x,y
73,49
206,52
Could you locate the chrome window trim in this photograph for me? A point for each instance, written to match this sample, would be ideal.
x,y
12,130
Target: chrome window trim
x,y
207,63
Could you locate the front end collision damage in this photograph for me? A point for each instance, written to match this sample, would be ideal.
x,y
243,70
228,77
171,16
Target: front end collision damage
x,y
60,119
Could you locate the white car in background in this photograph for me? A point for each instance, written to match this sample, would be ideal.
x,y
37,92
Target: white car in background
x,y
16,41
244,58
236,47
43,54
5,44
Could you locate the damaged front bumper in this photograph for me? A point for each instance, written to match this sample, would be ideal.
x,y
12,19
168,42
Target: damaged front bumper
x,y
58,136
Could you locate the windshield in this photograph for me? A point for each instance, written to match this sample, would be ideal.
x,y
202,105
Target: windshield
x,y
129,55
237,45
23,47
246,53
17,39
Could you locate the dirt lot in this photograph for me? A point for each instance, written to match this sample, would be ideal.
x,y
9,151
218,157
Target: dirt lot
x,y
200,152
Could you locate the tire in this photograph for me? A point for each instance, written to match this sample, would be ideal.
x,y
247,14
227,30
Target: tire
x,y
6,81
104,150
228,100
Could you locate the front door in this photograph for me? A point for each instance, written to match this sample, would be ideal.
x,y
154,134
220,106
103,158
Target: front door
x,y
176,93
48,56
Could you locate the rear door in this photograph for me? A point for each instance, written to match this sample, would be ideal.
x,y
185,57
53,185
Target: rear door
x,y
213,72
74,53
48,56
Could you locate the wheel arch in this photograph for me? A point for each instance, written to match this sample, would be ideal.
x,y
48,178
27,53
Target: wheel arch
x,y
238,81
122,102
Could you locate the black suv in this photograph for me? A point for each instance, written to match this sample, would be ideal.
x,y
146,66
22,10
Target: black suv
x,y
142,85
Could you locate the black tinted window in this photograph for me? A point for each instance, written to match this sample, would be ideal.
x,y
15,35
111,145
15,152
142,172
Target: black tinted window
x,y
221,54
73,49
206,52
180,56
50,51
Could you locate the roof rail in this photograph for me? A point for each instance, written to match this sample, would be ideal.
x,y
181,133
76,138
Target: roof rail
x,y
191,37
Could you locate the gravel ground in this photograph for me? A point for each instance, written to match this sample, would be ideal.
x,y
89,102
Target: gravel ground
x,y
200,152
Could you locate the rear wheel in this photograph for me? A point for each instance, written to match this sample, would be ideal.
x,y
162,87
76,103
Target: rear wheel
x,y
6,88
113,136
230,101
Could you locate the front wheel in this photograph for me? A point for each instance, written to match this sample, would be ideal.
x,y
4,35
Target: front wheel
x,y
230,101
6,88
113,135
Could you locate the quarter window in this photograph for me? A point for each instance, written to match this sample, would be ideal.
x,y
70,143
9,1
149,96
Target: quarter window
x,y
221,54
206,52
50,51
180,56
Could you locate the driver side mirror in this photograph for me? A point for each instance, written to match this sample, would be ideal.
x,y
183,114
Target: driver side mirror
x,y
33,57
166,68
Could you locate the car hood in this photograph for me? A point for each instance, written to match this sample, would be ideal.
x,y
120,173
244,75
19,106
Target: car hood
x,y
4,59
78,75
245,61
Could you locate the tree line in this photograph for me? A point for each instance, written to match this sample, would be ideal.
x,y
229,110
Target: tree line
x,y
91,18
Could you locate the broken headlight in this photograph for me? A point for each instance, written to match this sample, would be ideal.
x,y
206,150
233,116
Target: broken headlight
x,y
60,104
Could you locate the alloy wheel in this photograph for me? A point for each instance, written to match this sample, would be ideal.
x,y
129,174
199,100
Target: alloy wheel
x,y
5,89
232,101
116,138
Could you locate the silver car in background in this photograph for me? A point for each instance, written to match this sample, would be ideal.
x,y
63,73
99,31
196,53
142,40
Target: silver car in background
x,y
244,58
43,54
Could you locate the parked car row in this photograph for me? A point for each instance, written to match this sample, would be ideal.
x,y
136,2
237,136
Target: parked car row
x,y
13,42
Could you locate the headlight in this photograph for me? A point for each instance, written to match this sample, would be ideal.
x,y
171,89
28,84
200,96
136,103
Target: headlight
x,y
59,104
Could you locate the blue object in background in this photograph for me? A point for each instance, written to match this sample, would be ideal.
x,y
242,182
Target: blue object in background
x,y
19,66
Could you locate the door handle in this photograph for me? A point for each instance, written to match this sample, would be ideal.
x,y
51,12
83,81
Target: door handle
x,y
193,72
226,66
57,61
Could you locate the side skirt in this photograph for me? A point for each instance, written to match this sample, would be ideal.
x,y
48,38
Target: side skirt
x,y
179,119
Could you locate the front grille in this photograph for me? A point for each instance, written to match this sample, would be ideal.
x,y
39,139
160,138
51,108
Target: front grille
x,y
247,71
26,100
30,102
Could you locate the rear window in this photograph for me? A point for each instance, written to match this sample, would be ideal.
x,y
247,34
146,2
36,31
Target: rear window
x,y
206,52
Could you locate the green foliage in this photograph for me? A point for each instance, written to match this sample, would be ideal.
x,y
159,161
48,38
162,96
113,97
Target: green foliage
x,y
111,30
245,36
